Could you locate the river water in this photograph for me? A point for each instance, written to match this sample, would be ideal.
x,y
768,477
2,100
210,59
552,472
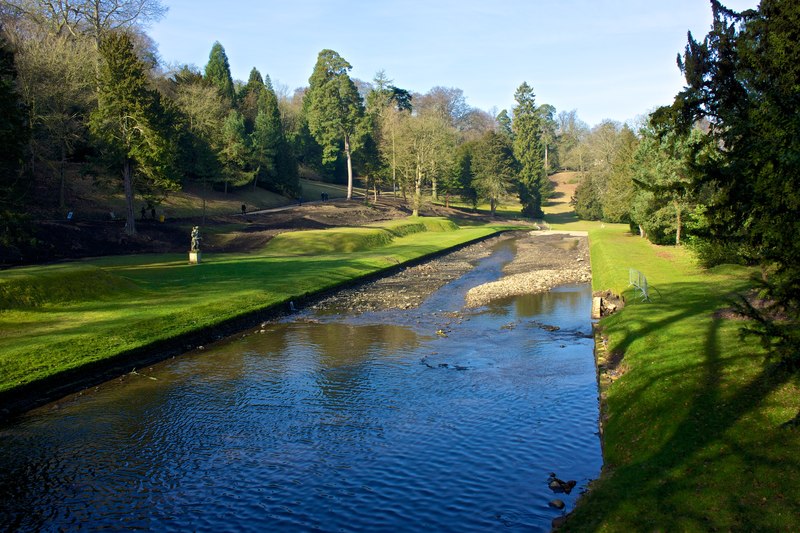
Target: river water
x,y
437,418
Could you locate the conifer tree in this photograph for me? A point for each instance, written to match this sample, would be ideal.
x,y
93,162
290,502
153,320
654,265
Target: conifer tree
x,y
218,71
235,153
131,126
334,110
528,151
494,167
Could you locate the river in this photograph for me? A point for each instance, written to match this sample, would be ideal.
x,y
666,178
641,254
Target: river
x,y
436,418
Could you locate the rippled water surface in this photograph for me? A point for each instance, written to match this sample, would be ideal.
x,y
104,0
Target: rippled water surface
x,y
436,418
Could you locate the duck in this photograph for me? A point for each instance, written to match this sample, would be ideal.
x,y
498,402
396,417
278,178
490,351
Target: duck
x,y
559,485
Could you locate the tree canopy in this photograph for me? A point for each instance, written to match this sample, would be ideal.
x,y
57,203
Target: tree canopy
x,y
334,109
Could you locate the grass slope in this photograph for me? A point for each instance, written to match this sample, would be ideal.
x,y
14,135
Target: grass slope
x,y
62,317
693,437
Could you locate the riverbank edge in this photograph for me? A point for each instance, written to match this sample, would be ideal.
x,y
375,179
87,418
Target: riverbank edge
x,y
35,394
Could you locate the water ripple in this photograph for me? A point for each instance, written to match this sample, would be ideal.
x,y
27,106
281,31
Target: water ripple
x,y
334,426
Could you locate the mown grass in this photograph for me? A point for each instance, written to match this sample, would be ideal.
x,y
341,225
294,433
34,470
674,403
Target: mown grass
x,y
61,317
693,436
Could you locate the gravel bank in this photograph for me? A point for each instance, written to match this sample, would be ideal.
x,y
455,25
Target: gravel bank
x,y
544,259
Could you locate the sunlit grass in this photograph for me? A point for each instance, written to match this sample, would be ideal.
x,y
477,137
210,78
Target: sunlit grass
x,y
692,435
692,429
64,316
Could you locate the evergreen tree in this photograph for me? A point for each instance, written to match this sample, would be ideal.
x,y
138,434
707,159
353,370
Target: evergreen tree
x,y
504,123
334,110
464,173
494,167
250,99
744,77
528,151
235,154
218,72
131,126
266,140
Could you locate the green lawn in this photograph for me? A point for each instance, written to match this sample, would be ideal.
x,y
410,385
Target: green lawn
x,y
692,428
61,317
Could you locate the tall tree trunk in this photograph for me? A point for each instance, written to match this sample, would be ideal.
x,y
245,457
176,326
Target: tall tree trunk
x,y
434,189
678,223
62,178
127,181
417,193
349,167
546,164
204,201
394,168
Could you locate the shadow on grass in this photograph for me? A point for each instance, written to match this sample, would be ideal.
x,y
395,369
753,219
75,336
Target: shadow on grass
x,y
694,450
561,218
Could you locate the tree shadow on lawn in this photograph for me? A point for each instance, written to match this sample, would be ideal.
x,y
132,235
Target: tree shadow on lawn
x,y
710,468
566,217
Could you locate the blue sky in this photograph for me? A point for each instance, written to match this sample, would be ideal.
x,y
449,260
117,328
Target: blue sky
x,y
606,58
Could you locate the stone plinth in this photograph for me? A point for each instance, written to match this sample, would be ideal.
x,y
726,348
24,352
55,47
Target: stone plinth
x,y
194,258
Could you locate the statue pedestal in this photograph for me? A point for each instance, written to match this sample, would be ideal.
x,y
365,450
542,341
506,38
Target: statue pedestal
x,y
194,258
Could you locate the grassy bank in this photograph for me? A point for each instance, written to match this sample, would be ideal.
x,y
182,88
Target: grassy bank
x,y
692,421
61,317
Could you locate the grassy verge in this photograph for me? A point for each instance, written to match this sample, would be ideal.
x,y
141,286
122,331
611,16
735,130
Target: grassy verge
x,y
692,423
62,317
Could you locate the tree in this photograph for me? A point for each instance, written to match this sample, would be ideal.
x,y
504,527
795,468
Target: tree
x,y
528,150
448,102
549,125
130,125
13,138
250,98
618,187
267,141
464,172
218,72
570,133
425,146
662,176
234,153
57,78
504,124
586,201
94,18
494,167
334,110
203,111
744,78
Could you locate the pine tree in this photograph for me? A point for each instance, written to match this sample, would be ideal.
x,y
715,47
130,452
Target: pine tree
x,y
131,126
218,72
528,151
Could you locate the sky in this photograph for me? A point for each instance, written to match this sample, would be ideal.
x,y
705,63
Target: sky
x,y
607,59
